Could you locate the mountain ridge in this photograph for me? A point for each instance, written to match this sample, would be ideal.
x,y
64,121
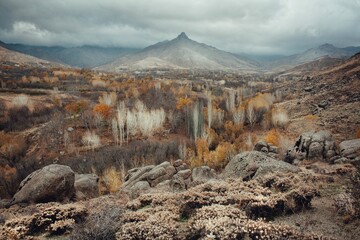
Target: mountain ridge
x,y
180,52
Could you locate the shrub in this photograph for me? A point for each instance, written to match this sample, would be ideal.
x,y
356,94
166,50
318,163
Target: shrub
x,y
21,101
219,158
99,83
108,99
183,102
202,151
91,140
272,137
102,110
100,225
76,107
279,118
357,133
113,178
18,118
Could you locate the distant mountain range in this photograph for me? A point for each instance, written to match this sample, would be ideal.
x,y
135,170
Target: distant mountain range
x,y
179,53
84,57
313,54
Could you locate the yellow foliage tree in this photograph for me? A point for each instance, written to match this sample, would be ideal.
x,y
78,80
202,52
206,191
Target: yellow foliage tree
x,y
183,102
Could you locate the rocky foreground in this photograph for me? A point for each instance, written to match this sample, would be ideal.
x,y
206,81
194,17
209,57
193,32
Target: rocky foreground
x,y
171,201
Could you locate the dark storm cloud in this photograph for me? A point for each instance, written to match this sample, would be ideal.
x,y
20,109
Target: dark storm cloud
x,y
253,26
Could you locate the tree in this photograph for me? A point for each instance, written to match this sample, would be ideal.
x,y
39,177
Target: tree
x,y
250,111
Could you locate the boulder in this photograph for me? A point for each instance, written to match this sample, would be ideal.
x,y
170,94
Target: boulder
x,y
260,145
138,188
135,175
86,186
51,183
315,150
160,173
202,174
178,163
313,145
248,165
323,103
350,148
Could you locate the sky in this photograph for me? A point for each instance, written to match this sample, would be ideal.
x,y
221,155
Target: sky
x,y
238,26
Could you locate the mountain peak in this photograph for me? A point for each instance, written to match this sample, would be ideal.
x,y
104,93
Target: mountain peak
x,y
326,46
182,36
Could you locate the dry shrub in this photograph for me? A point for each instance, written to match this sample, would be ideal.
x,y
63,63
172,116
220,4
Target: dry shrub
x,y
220,157
202,153
231,209
108,99
12,147
102,110
8,173
77,107
357,133
91,139
232,130
21,101
311,117
99,225
98,83
183,102
279,118
272,137
53,220
112,178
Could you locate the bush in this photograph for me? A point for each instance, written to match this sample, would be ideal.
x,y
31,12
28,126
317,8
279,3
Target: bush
x,y
102,110
21,100
279,118
101,225
272,137
91,139
76,107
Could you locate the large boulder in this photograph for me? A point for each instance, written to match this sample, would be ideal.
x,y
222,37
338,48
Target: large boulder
x,y
160,173
202,174
51,183
320,145
350,148
86,186
248,165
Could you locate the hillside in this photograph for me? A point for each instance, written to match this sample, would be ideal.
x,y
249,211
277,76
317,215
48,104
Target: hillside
x,y
313,54
85,56
8,56
180,53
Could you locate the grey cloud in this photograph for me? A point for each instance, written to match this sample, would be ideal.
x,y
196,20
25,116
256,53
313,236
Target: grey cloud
x,y
252,26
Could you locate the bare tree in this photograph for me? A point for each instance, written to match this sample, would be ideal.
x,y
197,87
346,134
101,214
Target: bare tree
x,y
251,114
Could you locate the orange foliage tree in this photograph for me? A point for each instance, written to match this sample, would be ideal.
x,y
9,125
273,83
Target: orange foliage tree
x,y
183,102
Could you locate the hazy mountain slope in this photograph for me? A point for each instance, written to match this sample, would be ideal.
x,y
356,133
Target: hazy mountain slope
x,y
326,50
7,55
180,52
85,56
315,66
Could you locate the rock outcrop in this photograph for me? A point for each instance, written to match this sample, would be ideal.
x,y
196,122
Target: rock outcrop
x,y
268,148
312,145
349,151
86,186
252,164
51,183
165,177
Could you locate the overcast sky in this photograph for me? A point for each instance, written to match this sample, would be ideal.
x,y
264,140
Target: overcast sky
x,y
250,26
